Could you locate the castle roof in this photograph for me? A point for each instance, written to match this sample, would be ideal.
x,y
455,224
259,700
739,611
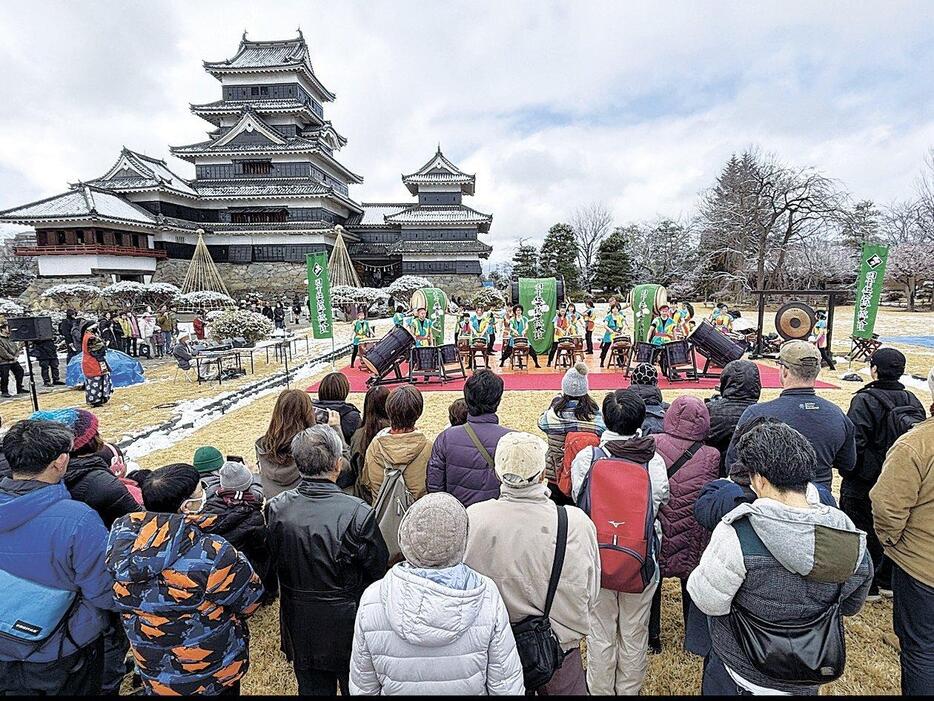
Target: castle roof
x,y
438,170
428,247
82,202
270,56
136,171
441,215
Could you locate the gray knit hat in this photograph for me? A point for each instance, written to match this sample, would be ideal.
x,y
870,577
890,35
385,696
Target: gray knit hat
x,y
644,374
236,477
575,383
433,532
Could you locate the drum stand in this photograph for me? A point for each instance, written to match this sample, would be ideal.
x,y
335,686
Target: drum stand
x,y
381,379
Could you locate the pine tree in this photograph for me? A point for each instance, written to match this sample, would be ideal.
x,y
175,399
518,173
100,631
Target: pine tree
x,y
558,257
613,270
525,260
861,225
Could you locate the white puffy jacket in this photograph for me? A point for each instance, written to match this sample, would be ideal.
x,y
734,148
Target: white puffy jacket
x,y
417,636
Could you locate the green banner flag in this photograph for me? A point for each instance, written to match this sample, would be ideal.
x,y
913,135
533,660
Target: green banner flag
x,y
645,300
539,298
319,295
872,262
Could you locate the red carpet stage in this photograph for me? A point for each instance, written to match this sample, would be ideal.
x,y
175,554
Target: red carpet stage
x,y
550,379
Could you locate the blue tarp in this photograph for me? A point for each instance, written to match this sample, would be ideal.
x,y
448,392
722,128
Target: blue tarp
x,y
124,370
923,341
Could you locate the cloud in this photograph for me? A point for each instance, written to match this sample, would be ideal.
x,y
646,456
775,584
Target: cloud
x,y
552,104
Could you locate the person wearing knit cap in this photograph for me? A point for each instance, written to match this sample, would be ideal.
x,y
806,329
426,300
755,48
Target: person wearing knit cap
x,y
433,605
870,409
83,423
88,476
644,381
512,540
238,506
573,411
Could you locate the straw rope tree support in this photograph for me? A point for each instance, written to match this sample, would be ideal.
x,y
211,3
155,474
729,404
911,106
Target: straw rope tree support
x,y
203,276
340,267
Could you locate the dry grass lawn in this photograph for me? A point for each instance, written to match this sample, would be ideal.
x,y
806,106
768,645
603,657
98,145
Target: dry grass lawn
x,y
872,661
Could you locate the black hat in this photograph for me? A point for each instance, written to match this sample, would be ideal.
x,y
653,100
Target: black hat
x,y
889,363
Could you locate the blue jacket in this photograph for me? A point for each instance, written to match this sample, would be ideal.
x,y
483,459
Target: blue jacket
x,y
48,538
720,497
821,421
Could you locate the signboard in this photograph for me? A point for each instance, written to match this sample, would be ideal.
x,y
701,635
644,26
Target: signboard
x,y
872,261
539,298
319,295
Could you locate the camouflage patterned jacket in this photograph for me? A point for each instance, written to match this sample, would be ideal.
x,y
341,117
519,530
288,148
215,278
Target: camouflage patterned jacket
x,y
184,597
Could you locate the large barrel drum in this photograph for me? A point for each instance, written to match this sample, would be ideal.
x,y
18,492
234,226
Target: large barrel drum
x,y
435,301
645,301
381,355
559,291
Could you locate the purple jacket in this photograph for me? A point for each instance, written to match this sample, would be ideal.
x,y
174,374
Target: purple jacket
x,y
686,421
456,466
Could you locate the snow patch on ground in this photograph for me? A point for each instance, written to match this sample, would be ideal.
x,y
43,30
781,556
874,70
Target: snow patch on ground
x,y
191,416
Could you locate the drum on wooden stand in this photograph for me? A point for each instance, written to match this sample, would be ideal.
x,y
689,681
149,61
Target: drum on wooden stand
x,y
645,353
385,352
520,342
716,346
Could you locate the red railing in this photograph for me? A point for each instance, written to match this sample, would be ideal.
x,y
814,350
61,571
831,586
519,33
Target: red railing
x,y
93,249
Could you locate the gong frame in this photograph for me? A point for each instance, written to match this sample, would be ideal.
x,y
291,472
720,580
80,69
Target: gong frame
x,y
830,295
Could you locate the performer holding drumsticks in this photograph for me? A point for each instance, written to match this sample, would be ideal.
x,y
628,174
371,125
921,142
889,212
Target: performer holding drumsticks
x,y
561,330
421,327
361,332
662,332
614,324
590,321
518,328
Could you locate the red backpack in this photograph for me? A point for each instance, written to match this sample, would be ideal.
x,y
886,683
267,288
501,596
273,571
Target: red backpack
x,y
574,442
617,495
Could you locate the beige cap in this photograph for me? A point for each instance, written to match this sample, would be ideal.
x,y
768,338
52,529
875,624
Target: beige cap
x,y
799,354
520,458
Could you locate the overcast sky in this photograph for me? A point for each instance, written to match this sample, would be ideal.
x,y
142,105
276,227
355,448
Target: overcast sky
x,y
552,105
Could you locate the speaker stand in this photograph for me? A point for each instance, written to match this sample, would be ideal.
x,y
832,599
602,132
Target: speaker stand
x,y
32,380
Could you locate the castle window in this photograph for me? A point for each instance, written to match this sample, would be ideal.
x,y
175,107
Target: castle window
x,y
254,91
256,167
264,90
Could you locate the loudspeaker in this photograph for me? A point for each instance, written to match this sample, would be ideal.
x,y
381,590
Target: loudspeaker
x,y
31,328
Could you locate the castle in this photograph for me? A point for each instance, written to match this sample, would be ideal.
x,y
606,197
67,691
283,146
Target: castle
x,y
268,189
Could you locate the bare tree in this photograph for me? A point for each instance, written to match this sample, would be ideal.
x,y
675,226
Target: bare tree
x,y
591,225
924,206
758,212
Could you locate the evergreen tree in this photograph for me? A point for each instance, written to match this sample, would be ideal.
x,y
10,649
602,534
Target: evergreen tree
x,y
613,271
558,256
525,260
861,225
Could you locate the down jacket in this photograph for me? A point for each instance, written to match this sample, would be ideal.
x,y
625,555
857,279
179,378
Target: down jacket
x,y
740,387
434,632
458,468
686,421
90,480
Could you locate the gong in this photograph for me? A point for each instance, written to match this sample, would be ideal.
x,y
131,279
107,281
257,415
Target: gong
x,y
795,321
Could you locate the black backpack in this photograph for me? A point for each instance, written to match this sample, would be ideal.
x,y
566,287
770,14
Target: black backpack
x,y
536,642
899,418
